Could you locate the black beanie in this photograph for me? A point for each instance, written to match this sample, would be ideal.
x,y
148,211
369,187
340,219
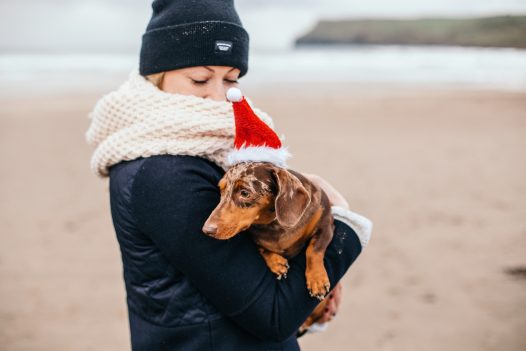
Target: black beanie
x,y
186,33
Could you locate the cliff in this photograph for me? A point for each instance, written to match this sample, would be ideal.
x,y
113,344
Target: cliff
x,y
497,31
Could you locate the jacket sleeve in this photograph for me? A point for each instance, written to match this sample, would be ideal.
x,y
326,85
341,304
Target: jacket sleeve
x,y
172,197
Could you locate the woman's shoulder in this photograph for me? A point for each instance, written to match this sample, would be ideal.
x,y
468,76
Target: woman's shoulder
x,y
161,169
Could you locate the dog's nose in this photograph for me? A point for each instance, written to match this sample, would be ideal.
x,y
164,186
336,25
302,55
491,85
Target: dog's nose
x,y
209,229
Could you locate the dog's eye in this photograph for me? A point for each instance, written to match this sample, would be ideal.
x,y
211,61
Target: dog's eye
x,y
244,193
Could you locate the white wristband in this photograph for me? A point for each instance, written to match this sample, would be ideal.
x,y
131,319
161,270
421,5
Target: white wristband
x,y
361,225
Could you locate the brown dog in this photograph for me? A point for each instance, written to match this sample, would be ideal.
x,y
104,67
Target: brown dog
x,y
285,211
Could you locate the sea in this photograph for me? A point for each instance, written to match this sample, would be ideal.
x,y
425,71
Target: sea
x,y
410,66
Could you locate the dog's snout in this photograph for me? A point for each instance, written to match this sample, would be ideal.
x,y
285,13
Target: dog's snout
x,y
210,229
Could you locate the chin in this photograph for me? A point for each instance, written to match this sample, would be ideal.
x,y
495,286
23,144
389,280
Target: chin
x,y
224,236
229,233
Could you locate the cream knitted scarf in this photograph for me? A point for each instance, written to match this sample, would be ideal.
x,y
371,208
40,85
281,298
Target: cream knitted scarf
x,y
140,120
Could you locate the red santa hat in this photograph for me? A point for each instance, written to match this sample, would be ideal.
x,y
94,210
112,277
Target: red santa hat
x,y
254,140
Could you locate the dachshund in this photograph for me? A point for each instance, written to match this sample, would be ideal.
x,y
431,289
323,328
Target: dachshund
x,y
285,212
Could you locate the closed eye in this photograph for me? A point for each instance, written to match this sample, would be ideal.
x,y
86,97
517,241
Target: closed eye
x,y
199,82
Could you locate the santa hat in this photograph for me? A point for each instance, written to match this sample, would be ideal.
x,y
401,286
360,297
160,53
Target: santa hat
x,y
254,140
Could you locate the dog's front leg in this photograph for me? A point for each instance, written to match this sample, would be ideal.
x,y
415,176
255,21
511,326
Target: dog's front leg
x,y
277,263
317,279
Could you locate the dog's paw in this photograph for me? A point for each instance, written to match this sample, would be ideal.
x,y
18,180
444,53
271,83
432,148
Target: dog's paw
x,y
318,284
279,266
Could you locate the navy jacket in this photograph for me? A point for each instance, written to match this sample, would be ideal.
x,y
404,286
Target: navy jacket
x,y
187,291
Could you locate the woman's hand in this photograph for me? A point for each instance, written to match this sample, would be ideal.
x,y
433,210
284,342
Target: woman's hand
x,y
335,197
333,304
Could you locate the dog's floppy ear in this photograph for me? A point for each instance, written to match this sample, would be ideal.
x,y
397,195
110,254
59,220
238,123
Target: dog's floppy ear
x,y
292,198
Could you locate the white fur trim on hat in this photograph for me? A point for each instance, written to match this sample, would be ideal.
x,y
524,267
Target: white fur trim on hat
x,y
259,154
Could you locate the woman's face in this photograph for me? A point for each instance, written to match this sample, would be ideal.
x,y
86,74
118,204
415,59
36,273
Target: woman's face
x,y
203,81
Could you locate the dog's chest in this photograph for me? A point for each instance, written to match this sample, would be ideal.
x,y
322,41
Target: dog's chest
x,y
276,239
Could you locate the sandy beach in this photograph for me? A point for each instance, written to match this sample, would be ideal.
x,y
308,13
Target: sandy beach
x,y
440,172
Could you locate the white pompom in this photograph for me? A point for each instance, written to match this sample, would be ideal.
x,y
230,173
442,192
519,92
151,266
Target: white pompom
x,y
234,95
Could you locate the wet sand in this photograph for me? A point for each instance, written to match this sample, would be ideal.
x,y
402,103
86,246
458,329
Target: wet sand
x,y
440,172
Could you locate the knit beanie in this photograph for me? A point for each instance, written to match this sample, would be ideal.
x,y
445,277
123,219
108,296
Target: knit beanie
x,y
187,33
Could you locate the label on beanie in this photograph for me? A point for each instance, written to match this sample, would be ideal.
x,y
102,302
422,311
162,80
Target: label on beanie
x,y
224,47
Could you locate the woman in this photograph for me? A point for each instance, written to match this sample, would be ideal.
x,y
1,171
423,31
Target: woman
x,y
162,138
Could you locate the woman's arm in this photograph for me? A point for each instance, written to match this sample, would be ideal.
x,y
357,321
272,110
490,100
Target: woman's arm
x,y
172,198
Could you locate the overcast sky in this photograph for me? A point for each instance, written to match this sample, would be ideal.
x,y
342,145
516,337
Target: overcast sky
x,y
117,25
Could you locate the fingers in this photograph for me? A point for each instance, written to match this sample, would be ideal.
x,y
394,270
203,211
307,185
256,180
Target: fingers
x,y
337,293
330,310
333,303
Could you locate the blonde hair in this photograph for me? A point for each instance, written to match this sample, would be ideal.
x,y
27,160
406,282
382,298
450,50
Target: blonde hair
x,y
156,79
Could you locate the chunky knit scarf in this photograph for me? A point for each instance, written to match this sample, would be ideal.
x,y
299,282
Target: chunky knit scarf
x,y
140,120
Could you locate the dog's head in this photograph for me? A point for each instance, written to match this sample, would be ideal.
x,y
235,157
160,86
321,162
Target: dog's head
x,y
256,193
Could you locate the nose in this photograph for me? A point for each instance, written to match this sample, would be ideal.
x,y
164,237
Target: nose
x,y
218,95
210,229
217,92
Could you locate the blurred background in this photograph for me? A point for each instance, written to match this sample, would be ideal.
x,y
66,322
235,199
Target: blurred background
x,y
418,112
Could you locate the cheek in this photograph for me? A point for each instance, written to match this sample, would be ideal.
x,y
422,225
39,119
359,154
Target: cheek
x,y
247,216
